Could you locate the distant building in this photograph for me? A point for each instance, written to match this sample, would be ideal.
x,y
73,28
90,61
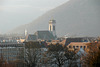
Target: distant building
x,y
78,39
26,33
54,42
11,51
77,45
44,35
20,40
11,37
31,37
52,27
40,35
69,40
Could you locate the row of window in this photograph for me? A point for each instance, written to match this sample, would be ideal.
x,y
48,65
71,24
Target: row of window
x,y
11,45
53,28
10,54
11,50
78,47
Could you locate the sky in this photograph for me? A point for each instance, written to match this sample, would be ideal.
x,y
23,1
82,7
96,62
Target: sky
x,y
14,13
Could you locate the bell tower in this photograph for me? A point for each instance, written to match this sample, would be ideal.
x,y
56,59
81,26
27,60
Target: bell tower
x,y
52,27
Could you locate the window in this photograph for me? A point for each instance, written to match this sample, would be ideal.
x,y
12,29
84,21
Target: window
x,y
69,46
50,27
84,47
77,46
53,27
80,46
73,46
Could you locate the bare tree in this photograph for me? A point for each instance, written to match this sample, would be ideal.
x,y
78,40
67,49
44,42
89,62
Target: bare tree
x,y
1,60
93,56
71,58
31,54
59,55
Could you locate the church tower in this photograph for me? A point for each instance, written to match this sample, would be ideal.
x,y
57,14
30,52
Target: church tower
x,y
26,32
52,27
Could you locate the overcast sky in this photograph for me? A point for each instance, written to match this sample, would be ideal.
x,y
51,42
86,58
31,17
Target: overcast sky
x,y
18,12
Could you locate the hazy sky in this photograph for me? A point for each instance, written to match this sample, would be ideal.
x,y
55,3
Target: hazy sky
x,y
18,12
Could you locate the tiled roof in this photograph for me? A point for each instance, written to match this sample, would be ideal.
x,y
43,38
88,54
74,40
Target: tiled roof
x,y
69,40
44,35
78,43
30,37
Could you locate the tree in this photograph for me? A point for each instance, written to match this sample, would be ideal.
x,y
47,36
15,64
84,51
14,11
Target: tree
x,y
59,55
1,60
93,57
71,58
32,54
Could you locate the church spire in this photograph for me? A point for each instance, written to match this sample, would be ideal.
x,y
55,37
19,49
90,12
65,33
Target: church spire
x,y
26,32
52,26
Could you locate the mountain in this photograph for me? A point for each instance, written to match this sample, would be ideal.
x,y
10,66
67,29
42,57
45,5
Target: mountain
x,y
76,17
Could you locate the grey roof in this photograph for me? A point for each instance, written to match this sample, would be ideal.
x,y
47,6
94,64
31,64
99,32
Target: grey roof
x,y
79,39
69,40
44,35
31,37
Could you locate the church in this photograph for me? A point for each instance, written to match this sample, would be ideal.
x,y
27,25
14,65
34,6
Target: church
x,y
45,34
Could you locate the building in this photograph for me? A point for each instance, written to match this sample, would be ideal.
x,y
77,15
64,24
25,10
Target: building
x,y
78,39
31,37
11,37
10,51
77,45
45,34
52,27
54,42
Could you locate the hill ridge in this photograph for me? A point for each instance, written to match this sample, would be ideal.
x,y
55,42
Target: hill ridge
x,y
76,17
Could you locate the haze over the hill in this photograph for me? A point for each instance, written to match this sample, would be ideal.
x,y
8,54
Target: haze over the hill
x,y
14,13
76,17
